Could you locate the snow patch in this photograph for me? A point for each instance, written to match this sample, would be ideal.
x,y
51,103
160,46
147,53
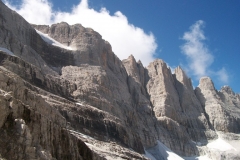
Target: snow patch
x,y
80,104
7,51
198,158
221,145
160,151
82,135
197,143
52,41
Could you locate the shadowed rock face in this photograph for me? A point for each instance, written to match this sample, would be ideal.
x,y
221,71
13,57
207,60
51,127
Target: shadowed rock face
x,y
30,127
85,103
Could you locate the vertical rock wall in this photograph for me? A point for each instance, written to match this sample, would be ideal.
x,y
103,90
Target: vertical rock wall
x,y
47,91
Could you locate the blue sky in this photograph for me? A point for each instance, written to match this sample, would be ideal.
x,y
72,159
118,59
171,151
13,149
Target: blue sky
x,y
201,36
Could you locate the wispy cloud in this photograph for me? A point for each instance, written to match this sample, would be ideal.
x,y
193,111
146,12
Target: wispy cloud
x,y
198,55
124,37
222,75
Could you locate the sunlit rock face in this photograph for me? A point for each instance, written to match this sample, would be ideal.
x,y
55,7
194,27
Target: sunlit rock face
x,y
64,94
221,107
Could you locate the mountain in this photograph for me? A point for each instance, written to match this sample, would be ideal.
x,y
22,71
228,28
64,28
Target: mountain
x,y
64,94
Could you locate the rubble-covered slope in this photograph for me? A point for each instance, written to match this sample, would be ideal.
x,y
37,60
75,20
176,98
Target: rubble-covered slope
x,y
77,100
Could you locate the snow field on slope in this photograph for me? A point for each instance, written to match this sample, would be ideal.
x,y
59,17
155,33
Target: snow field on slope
x,y
52,41
160,151
7,51
220,144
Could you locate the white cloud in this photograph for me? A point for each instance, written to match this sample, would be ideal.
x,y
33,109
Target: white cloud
x,y
34,11
172,68
223,75
198,55
124,37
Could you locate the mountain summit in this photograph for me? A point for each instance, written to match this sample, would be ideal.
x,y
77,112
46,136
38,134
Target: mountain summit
x,y
64,94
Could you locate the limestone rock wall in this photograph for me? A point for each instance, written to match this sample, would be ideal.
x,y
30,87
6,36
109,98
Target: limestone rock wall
x,y
103,82
221,107
67,104
17,35
31,128
176,108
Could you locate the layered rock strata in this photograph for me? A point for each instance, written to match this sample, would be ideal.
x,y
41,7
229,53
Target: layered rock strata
x,y
85,103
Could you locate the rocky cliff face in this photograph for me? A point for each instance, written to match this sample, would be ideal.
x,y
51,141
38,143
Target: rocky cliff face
x,y
85,103
221,107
